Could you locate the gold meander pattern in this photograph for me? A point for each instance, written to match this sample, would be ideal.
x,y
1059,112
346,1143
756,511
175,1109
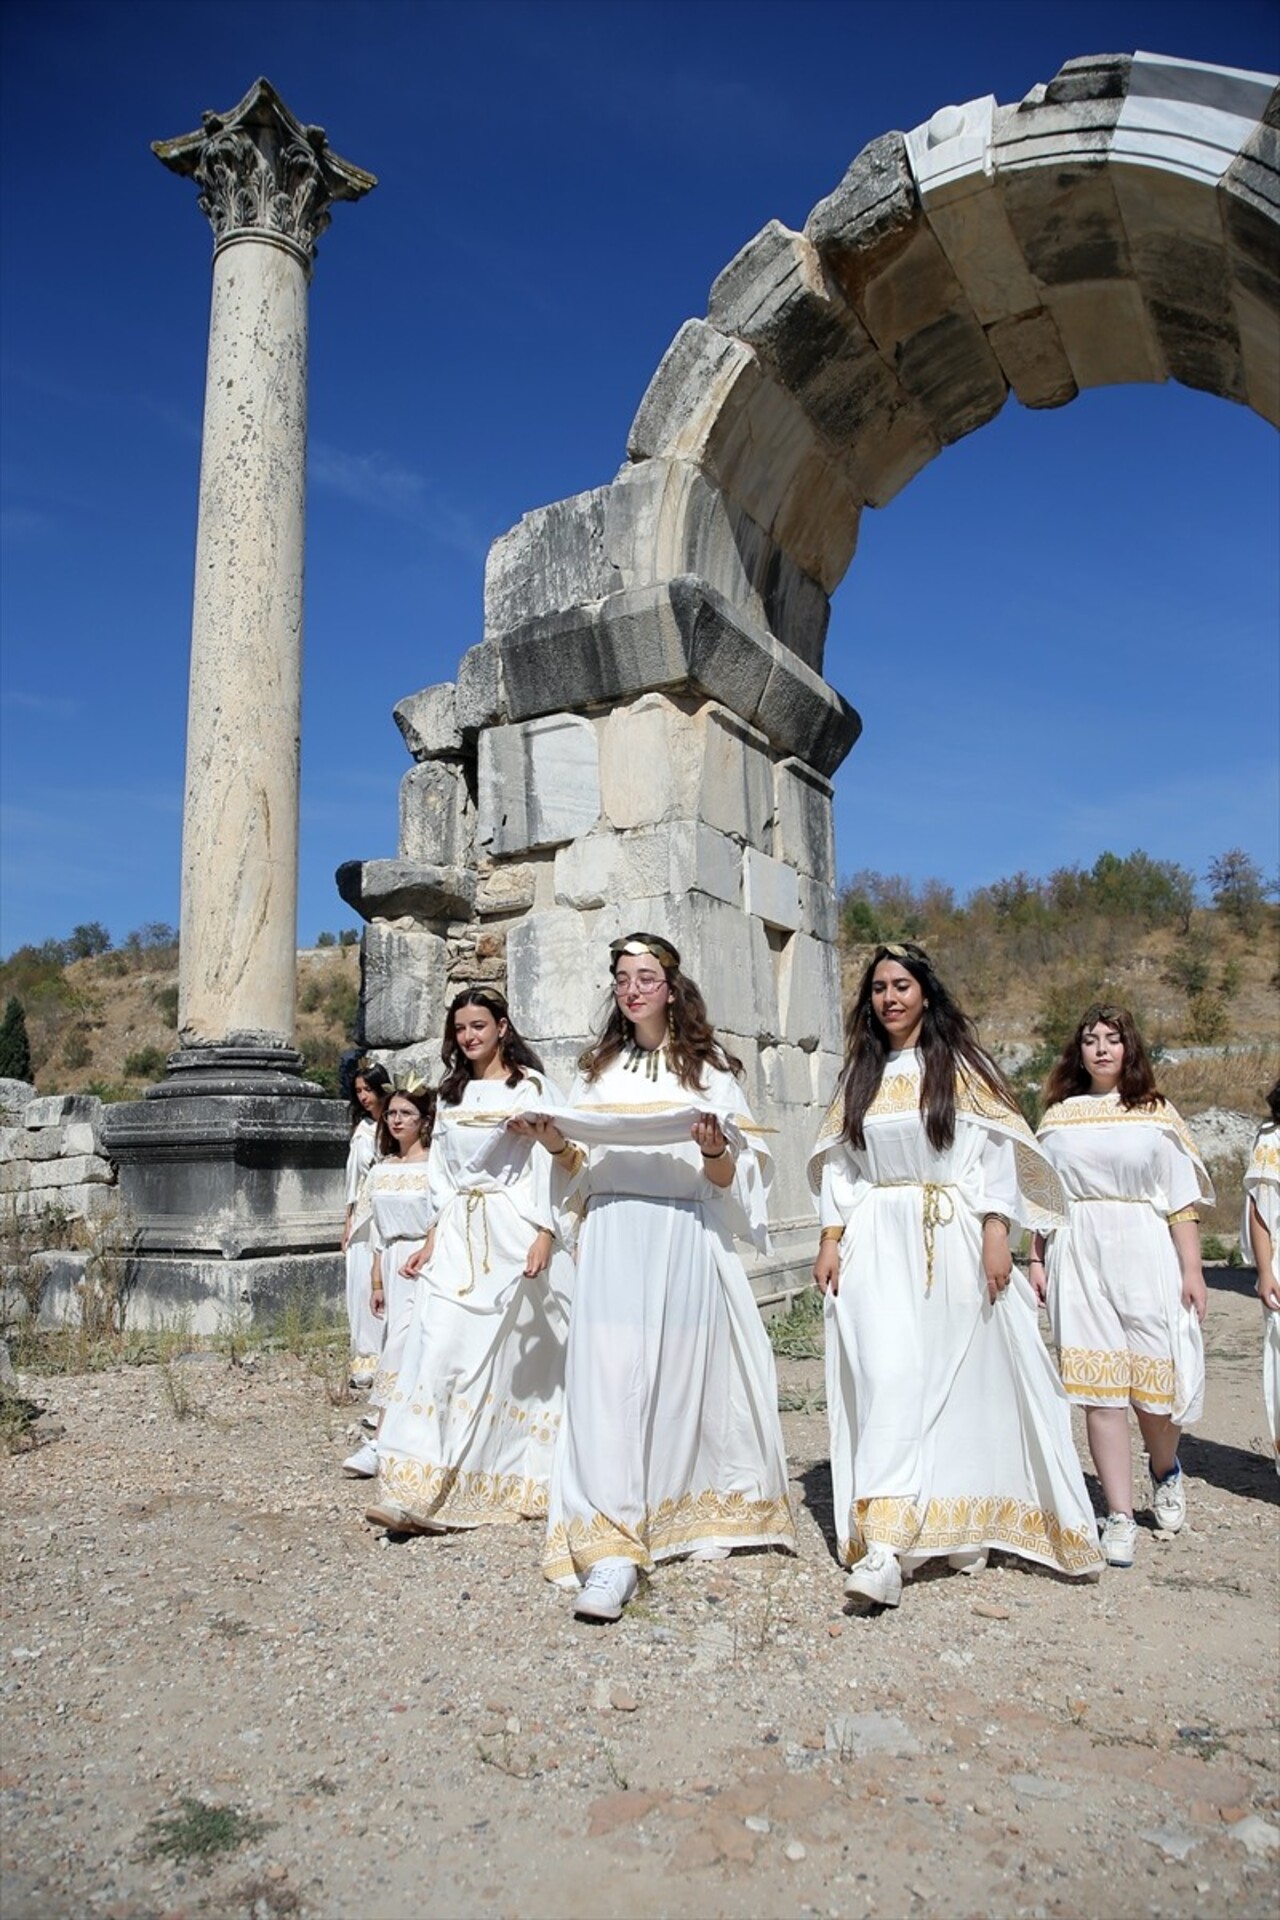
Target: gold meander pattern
x,y
900,1093
959,1521
454,1498
1104,1110
386,1178
666,1529
1112,1377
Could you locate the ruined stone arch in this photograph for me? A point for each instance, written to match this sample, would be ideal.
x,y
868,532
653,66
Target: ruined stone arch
x,y
1121,223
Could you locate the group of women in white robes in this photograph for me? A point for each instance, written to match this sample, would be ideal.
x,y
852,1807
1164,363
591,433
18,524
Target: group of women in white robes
x,y
1260,1235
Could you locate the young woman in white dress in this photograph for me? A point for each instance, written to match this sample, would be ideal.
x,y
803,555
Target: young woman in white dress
x,y
1125,1290
472,1420
369,1090
397,1192
950,1433
672,1443
1260,1236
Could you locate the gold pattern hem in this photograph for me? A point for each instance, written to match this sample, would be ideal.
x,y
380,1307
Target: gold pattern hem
x,y
962,1522
1112,1378
674,1527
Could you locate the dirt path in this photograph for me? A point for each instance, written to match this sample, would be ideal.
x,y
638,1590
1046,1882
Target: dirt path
x,y
194,1607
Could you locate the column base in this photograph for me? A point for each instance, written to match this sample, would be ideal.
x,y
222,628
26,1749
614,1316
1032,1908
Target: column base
x,y
235,1067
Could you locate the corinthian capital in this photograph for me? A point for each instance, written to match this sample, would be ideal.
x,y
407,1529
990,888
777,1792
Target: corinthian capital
x,y
263,174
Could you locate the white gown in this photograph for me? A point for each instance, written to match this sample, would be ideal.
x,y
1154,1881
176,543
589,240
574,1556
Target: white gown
x,y
1115,1284
470,1427
672,1440
1262,1187
399,1198
950,1431
367,1330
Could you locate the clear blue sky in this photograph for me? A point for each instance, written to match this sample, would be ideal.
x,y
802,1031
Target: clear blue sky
x,y
1061,636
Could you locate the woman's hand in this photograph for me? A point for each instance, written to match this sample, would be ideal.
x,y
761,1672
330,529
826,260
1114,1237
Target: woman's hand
x,y
717,1158
1195,1294
1269,1293
1186,1240
536,1126
826,1268
377,1298
997,1261
346,1228
417,1261
539,1254
1037,1272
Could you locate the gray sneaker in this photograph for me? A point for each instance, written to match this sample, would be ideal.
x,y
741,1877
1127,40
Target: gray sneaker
x,y
1119,1539
1169,1500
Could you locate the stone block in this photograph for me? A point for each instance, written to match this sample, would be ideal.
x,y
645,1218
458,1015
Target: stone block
x,y
1055,136
55,1108
737,780
422,1059
511,889
1067,222
428,722
41,1143
650,762
804,831
403,985
1186,117
1106,333
665,519
557,973
770,889
437,817
391,889
478,690
555,558
1256,329
69,1170
80,1137
1033,359
809,994
672,859
819,909
539,783
725,950
787,1076
776,296
15,1097
15,1176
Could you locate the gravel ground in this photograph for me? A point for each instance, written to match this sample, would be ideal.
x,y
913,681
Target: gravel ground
x,y
195,1610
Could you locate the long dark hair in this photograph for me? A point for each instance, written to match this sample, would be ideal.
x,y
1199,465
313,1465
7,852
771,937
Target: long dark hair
x,y
691,1043
948,1043
378,1080
1137,1083
1273,1103
518,1057
424,1099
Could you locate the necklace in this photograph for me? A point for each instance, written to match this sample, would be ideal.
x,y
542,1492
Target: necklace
x,y
636,1058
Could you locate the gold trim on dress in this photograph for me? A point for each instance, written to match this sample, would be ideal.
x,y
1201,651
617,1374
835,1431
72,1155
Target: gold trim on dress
x,y
960,1521
1104,1110
672,1527
1112,1377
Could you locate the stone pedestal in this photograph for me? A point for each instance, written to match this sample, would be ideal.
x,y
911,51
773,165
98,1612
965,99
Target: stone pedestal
x,y
234,1156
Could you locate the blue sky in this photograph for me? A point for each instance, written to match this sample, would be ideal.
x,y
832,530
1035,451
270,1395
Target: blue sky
x,y
1061,635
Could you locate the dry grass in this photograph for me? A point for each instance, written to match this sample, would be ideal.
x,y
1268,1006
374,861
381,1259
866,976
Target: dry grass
x,y
1238,1080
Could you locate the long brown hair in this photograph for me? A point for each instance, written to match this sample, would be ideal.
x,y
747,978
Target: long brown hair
x,y
424,1099
691,1044
1137,1083
948,1044
378,1080
517,1056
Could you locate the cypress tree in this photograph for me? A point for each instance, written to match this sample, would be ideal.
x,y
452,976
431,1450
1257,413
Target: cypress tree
x,y
15,1048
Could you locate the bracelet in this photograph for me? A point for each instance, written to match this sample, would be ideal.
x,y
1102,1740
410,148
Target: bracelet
x,y
996,1216
1033,1262
715,1156
831,1233
558,1152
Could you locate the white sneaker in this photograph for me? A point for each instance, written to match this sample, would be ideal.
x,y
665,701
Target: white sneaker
x,y
876,1577
1119,1539
363,1463
1169,1500
972,1560
606,1591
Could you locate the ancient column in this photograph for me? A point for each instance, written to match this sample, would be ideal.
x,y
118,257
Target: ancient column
x,y
231,1168
267,184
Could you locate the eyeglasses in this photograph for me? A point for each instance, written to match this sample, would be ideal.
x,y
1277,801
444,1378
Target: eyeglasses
x,y
639,983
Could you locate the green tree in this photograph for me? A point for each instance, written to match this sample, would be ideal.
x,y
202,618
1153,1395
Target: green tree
x,y
84,942
15,1048
1238,888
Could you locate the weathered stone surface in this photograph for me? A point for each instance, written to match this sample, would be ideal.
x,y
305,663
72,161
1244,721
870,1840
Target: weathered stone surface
x,y
737,780
69,1170
650,761
809,994
81,1137
556,557
608,868
539,783
389,889
437,816
819,909
1186,117
1033,359
1106,333
478,690
804,832
557,975
55,1109
508,889
403,985
15,1097
676,637
770,889
428,722
24,1143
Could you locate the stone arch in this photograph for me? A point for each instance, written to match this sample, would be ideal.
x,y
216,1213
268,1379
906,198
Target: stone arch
x,y
1119,224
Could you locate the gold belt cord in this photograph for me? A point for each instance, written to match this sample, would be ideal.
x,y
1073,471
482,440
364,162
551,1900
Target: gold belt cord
x,y
934,1214
475,1204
